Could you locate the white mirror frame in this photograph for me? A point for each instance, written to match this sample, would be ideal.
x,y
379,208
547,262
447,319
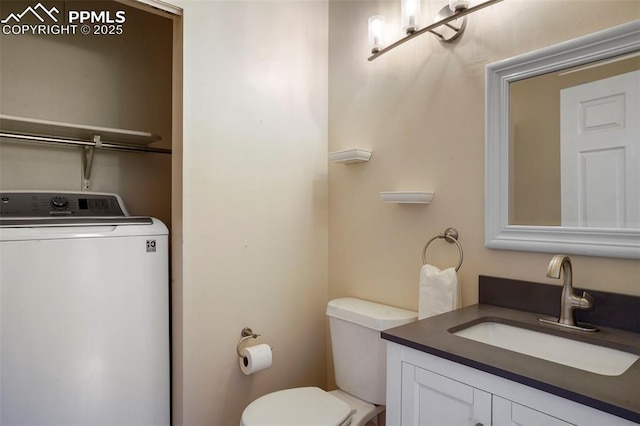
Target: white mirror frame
x,y
607,242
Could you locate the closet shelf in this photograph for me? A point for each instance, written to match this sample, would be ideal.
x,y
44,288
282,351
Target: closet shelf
x,y
89,137
407,197
59,133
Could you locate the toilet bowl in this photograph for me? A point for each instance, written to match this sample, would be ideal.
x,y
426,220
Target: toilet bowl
x,y
359,356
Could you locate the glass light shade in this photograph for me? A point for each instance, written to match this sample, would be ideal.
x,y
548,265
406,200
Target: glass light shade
x,y
458,4
376,33
410,15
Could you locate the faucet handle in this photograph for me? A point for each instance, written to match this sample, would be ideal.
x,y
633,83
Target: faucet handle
x,y
587,302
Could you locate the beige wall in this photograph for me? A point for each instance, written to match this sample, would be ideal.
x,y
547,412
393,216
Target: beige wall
x,y
420,109
255,201
121,81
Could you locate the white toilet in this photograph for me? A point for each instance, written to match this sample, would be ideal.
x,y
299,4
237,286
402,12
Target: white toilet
x,y
359,356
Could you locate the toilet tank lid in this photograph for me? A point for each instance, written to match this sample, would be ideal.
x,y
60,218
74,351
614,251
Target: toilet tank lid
x,y
369,314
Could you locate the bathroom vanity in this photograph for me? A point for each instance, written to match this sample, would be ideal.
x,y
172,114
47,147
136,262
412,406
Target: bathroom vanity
x,y
436,377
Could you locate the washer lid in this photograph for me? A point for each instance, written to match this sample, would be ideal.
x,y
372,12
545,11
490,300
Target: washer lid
x,y
309,406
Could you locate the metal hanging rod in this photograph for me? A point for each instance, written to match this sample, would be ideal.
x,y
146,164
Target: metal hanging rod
x,y
79,142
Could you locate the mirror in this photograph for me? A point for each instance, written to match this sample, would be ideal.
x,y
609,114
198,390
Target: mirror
x,y
549,145
532,199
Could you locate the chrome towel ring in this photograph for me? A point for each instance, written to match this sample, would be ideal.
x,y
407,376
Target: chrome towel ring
x,y
450,235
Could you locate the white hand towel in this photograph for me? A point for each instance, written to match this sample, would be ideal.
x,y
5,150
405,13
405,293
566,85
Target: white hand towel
x,y
439,291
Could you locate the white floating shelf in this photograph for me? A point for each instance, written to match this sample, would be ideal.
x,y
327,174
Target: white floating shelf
x,y
350,156
407,197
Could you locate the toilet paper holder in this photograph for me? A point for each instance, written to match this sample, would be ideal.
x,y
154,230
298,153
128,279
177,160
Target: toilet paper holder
x,y
246,334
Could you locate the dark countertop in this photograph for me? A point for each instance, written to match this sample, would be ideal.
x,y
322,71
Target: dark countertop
x,y
617,395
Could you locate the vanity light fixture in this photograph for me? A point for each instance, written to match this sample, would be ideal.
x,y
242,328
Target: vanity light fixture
x,y
454,11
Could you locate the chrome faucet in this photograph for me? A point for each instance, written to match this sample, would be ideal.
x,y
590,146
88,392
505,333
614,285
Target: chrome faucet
x,y
569,301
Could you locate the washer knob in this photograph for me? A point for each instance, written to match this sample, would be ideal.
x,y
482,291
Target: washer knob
x,y
59,202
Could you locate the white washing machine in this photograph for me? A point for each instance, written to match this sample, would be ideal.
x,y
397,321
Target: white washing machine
x,y
84,312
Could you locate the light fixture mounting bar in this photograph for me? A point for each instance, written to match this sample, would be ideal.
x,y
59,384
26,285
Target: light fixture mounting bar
x,y
457,15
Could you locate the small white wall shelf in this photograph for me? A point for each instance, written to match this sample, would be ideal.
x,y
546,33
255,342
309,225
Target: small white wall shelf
x,y
407,197
350,156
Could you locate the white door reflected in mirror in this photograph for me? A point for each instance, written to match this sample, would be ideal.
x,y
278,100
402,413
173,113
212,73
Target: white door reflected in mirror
x,y
600,144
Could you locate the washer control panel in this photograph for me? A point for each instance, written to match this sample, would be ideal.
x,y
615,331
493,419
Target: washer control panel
x,y
52,204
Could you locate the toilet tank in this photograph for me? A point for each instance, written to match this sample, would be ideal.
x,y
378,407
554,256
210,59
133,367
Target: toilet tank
x,y
359,354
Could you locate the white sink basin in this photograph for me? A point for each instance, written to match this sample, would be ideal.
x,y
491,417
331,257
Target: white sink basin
x,y
585,356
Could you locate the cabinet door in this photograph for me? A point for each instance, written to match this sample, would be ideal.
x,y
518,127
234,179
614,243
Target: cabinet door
x,y
432,399
508,413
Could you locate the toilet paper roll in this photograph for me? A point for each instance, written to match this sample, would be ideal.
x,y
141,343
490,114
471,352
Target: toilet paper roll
x,y
255,358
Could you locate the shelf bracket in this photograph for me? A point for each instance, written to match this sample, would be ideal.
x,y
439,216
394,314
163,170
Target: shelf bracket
x,y
87,160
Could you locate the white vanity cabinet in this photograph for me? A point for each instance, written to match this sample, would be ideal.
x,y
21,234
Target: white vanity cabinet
x,y
432,399
423,389
509,413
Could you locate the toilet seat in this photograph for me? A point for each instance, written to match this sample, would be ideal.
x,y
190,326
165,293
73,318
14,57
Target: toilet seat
x,y
309,406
